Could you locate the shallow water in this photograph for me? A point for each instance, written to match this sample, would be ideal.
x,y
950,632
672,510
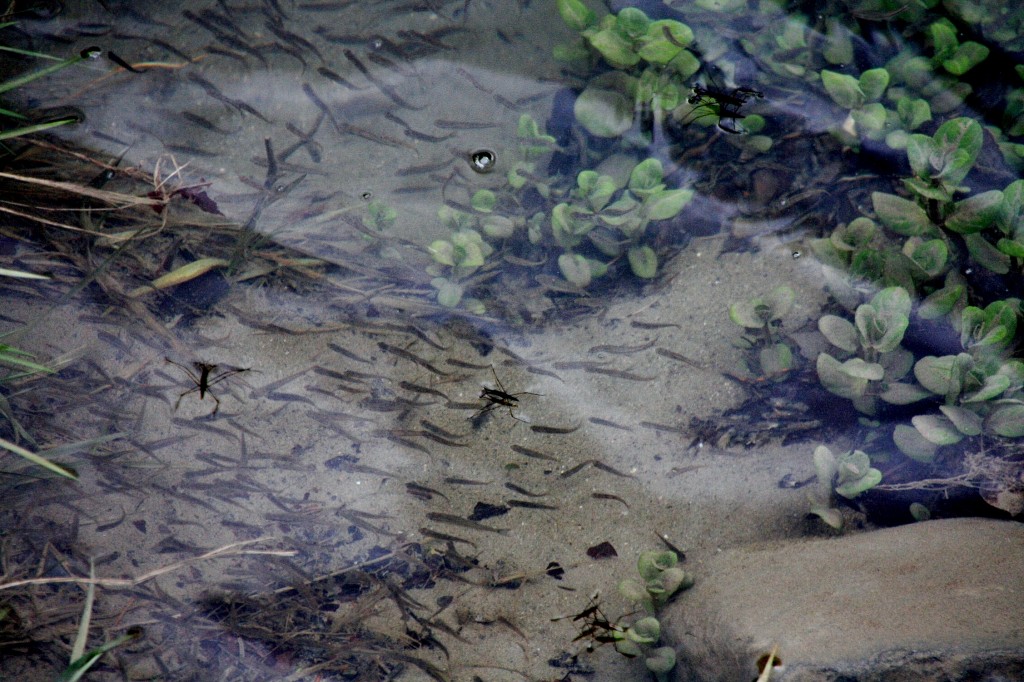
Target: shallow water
x,y
350,448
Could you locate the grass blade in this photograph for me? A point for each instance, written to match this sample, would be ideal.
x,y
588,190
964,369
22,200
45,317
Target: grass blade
x,y
36,459
28,130
83,625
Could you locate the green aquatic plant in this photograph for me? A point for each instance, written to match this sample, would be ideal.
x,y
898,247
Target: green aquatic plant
x,y
847,475
770,356
660,579
457,258
870,355
614,220
650,59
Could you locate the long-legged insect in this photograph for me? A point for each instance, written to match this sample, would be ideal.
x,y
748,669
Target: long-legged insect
x,y
203,382
720,102
499,398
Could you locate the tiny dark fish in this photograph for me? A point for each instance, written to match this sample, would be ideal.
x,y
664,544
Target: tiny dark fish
x,y
437,535
540,428
608,423
609,496
652,325
535,454
621,350
523,491
402,353
453,480
619,374
464,125
678,357
456,520
336,78
654,426
526,504
422,491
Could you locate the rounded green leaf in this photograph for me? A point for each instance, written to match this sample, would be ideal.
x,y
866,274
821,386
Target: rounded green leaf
x,y
900,215
645,631
959,142
986,254
966,57
667,203
965,421
873,83
628,648
903,394
643,261
483,200
442,251
835,378
661,660
940,375
940,302
576,15
1006,421
919,511
575,269
616,49
937,430
776,359
632,22
912,444
975,213
632,591
498,226
839,332
869,480
449,294
604,112
646,175
752,314
843,89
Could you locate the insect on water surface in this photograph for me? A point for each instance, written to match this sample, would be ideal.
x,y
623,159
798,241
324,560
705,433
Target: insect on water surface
x,y
203,380
722,102
499,397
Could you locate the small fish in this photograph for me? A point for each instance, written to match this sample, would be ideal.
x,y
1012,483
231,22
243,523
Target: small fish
x,y
455,520
540,428
535,454
402,353
526,504
422,491
437,535
465,481
608,423
609,496
523,491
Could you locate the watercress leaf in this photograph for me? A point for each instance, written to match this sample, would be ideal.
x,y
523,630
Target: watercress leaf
x,y
903,394
870,119
920,151
616,49
838,48
667,203
993,387
941,302
647,175
628,648
975,213
685,64
929,189
449,294
776,359
913,112
603,112
680,32
483,201
959,142
527,127
830,515
931,256
900,215
943,38
643,261
1011,247
498,226
601,192
833,376
839,332
1006,421
645,631
586,181
749,313
912,444
987,255
825,466
576,15
966,421
632,22
859,369
936,429
941,375
966,57
661,661
657,48
780,301
1011,208
869,480
575,269
872,83
442,251
843,89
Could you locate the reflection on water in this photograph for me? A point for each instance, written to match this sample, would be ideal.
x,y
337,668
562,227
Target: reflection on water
x,y
364,370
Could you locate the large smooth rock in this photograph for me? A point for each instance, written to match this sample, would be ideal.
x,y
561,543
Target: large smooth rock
x,y
939,600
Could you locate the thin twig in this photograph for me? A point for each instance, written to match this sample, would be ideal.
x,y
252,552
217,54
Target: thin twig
x,y
225,551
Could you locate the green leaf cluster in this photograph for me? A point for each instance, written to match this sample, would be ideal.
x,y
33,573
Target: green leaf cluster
x,y
660,579
848,475
769,357
599,213
869,353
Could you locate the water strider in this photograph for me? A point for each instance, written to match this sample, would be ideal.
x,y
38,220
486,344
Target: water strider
x,y
203,381
499,398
